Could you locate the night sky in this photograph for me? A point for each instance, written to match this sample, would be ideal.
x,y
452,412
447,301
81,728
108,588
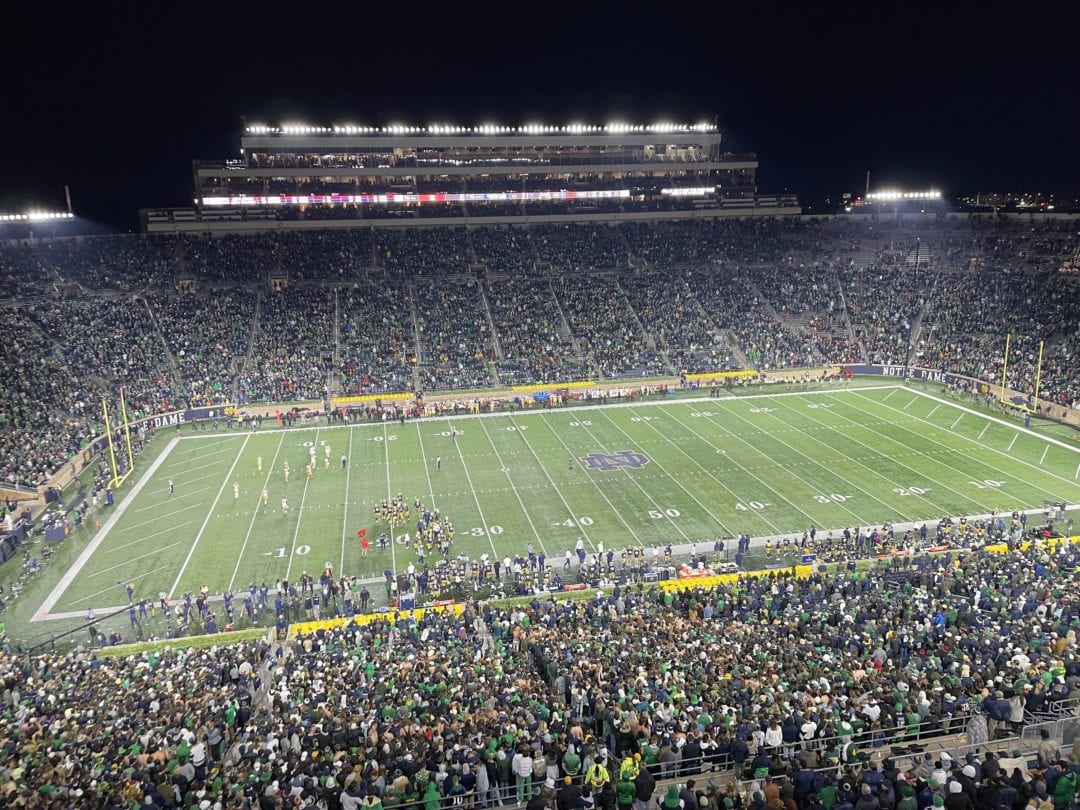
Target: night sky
x,y
117,99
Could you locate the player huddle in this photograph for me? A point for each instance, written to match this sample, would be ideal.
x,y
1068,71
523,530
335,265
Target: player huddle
x,y
434,531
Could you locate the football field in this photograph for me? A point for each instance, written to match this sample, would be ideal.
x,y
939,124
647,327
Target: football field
x,y
680,471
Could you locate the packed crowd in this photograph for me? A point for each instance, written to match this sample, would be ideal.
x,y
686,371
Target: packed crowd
x,y
550,702
679,296
455,338
292,348
376,340
208,336
535,343
602,320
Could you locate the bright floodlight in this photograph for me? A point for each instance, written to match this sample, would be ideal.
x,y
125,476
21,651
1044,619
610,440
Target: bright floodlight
x,y
891,195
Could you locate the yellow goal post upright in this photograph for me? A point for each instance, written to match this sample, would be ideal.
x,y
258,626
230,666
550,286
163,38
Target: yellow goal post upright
x,y
1032,408
118,479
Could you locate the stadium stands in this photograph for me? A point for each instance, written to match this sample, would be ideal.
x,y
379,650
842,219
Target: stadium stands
x,y
441,308
831,685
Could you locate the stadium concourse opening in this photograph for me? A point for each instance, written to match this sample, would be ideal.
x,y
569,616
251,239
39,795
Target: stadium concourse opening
x,y
607,369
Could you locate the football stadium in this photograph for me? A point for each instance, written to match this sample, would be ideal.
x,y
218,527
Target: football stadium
x,y
548,465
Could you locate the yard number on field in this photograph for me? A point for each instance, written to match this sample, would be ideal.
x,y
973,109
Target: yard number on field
x,y
754,505
830,498
656,514
581,521
283,552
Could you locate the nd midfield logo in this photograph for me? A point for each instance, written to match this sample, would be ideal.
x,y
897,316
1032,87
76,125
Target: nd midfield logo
x,y
624,459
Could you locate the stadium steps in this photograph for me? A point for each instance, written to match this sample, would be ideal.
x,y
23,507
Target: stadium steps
x,y
491,325
650,339
333,383
164,344
845,315
736,349
564,324
413,313
253,332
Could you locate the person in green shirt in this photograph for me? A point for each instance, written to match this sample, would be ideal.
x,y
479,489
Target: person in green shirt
x,y
432,799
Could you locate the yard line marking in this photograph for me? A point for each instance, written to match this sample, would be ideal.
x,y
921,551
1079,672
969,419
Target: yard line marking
x,y
221,452
425,461
170,500
558,491
908,405
637,483
940,461
1045,451
747,470
1017,428
209,515
345,513
197,480
985,427
159,517
202,466
69,575
890,393
389,497
822,467
506,472
957,422
300,513
132,559
932,412
479,509
848,457
1075,477
78,614
149,536
895,458
987,446
706,509
199,447
1007,449
254,514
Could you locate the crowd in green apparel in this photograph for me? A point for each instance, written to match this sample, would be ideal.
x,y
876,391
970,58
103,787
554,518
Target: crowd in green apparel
x,y
454,335
783,663
80,731
529,328
208,336
447,708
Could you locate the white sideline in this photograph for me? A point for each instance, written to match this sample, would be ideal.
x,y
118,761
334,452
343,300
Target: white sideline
x,y
44,611
678,550
1019,428
563,409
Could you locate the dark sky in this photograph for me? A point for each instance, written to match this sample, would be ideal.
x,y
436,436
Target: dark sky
x,y
116,99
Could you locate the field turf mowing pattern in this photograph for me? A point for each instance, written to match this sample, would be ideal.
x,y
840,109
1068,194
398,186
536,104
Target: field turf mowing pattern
x,y
765,464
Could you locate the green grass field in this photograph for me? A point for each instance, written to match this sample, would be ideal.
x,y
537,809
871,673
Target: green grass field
x,y
700,469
